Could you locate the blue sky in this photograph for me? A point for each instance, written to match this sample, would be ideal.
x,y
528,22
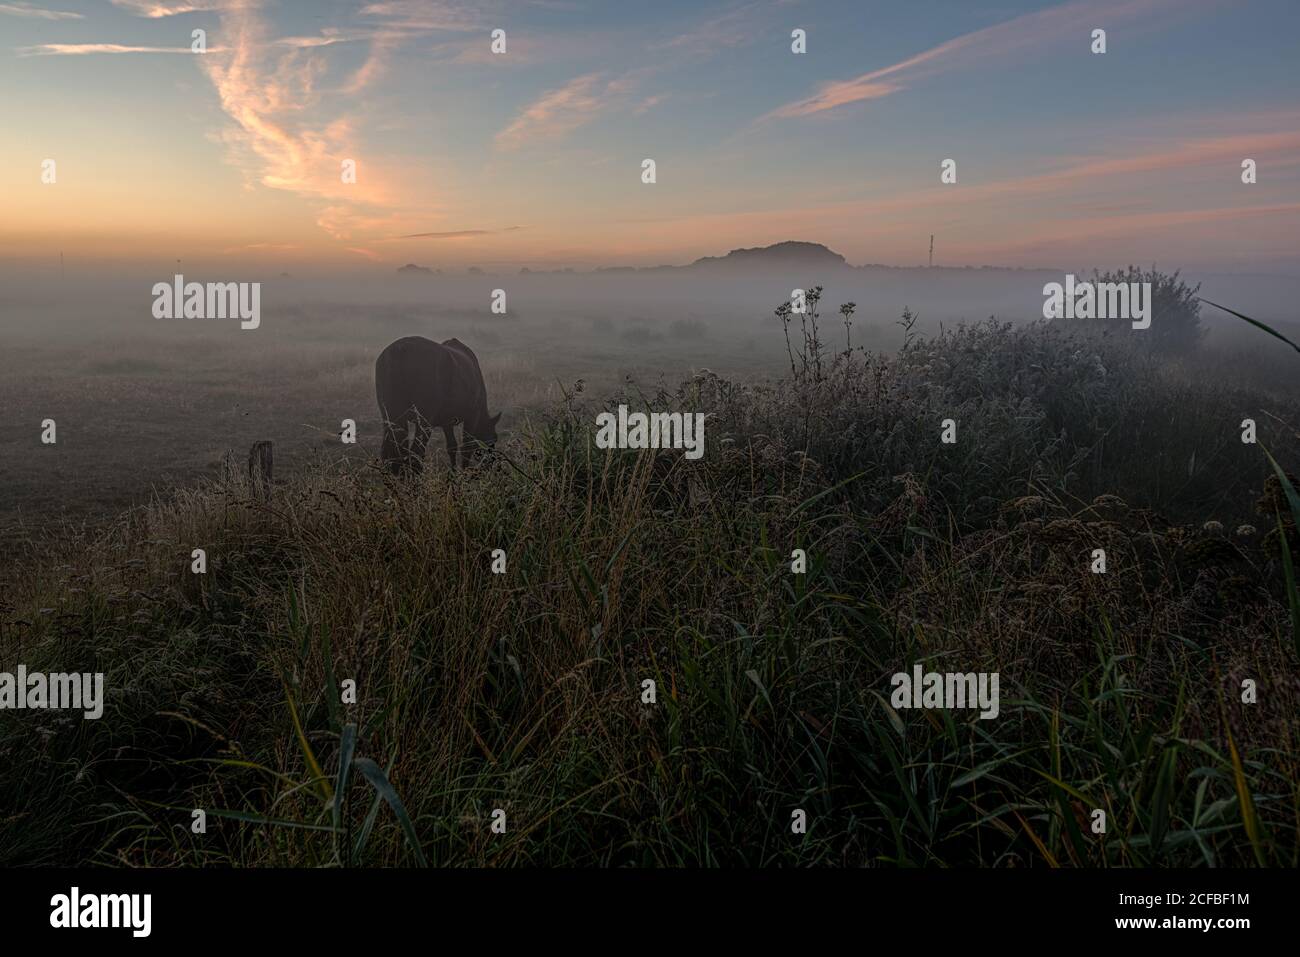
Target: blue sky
x,y
1064,157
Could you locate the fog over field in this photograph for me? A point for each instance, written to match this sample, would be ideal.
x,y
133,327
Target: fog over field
x,y
142,402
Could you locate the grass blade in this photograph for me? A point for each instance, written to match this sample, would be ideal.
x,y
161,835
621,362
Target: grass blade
x,y
379,781
1248,817
1253,322
318,776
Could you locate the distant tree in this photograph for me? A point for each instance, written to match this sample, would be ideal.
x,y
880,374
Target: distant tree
x,y
1175,310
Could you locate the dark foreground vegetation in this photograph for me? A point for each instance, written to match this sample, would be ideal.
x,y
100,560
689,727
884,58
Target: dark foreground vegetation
x,y
523,691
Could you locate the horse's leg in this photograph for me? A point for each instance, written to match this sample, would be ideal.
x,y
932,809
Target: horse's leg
x,y
449,432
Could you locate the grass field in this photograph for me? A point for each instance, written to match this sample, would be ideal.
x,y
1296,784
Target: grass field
x,y
142,405
524,692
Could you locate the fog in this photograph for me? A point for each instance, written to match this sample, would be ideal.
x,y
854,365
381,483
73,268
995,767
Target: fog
x,y
729,304
144,403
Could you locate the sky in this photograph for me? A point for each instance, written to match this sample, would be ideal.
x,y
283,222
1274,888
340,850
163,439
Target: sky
x,y
534,156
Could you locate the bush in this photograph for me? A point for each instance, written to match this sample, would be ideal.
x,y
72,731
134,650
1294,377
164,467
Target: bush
x,y
1175,312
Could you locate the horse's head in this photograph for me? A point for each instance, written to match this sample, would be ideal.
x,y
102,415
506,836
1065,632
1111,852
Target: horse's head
x,y
483,436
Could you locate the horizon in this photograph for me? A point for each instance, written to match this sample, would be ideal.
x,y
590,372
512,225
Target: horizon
x,y
532,157
487,267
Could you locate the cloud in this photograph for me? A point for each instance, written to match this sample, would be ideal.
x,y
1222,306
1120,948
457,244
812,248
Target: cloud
x,y
838,94
374,222
401,20
649,103
478,51
381,46
35,13
461,233
1029,31
84,49
1223,152
282,134
289,129
154,9
1153,179
269,246
559,112
326,39
427,15
737,27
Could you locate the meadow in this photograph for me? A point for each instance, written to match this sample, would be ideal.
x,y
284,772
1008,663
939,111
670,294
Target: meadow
x,y
524,692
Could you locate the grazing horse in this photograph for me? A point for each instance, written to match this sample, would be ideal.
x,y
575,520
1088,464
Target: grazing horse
x,y
422,385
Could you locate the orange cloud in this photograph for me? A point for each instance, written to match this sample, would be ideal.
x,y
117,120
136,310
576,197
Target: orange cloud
x,y
282,136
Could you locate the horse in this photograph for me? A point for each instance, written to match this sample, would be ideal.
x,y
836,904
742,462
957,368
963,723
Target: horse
x,y
422,385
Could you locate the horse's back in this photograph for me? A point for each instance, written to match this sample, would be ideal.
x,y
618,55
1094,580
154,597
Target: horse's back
x,y
439,381
468,369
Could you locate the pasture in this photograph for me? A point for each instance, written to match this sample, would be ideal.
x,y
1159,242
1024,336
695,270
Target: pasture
x,y
351,682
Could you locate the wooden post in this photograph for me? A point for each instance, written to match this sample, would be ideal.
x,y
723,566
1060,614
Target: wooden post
x,y
260,464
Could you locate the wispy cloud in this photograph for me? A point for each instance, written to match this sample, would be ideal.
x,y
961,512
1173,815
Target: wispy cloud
x,y
284,135
260,246
84,49
156,9
1213,152
524,50
462,233
559,112
36,13
1069,21
737,27
327,39
555,113
401,20
1131,173
409,15
381,47
649,103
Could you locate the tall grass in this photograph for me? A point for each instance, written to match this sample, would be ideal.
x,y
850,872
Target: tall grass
x,y
523,692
